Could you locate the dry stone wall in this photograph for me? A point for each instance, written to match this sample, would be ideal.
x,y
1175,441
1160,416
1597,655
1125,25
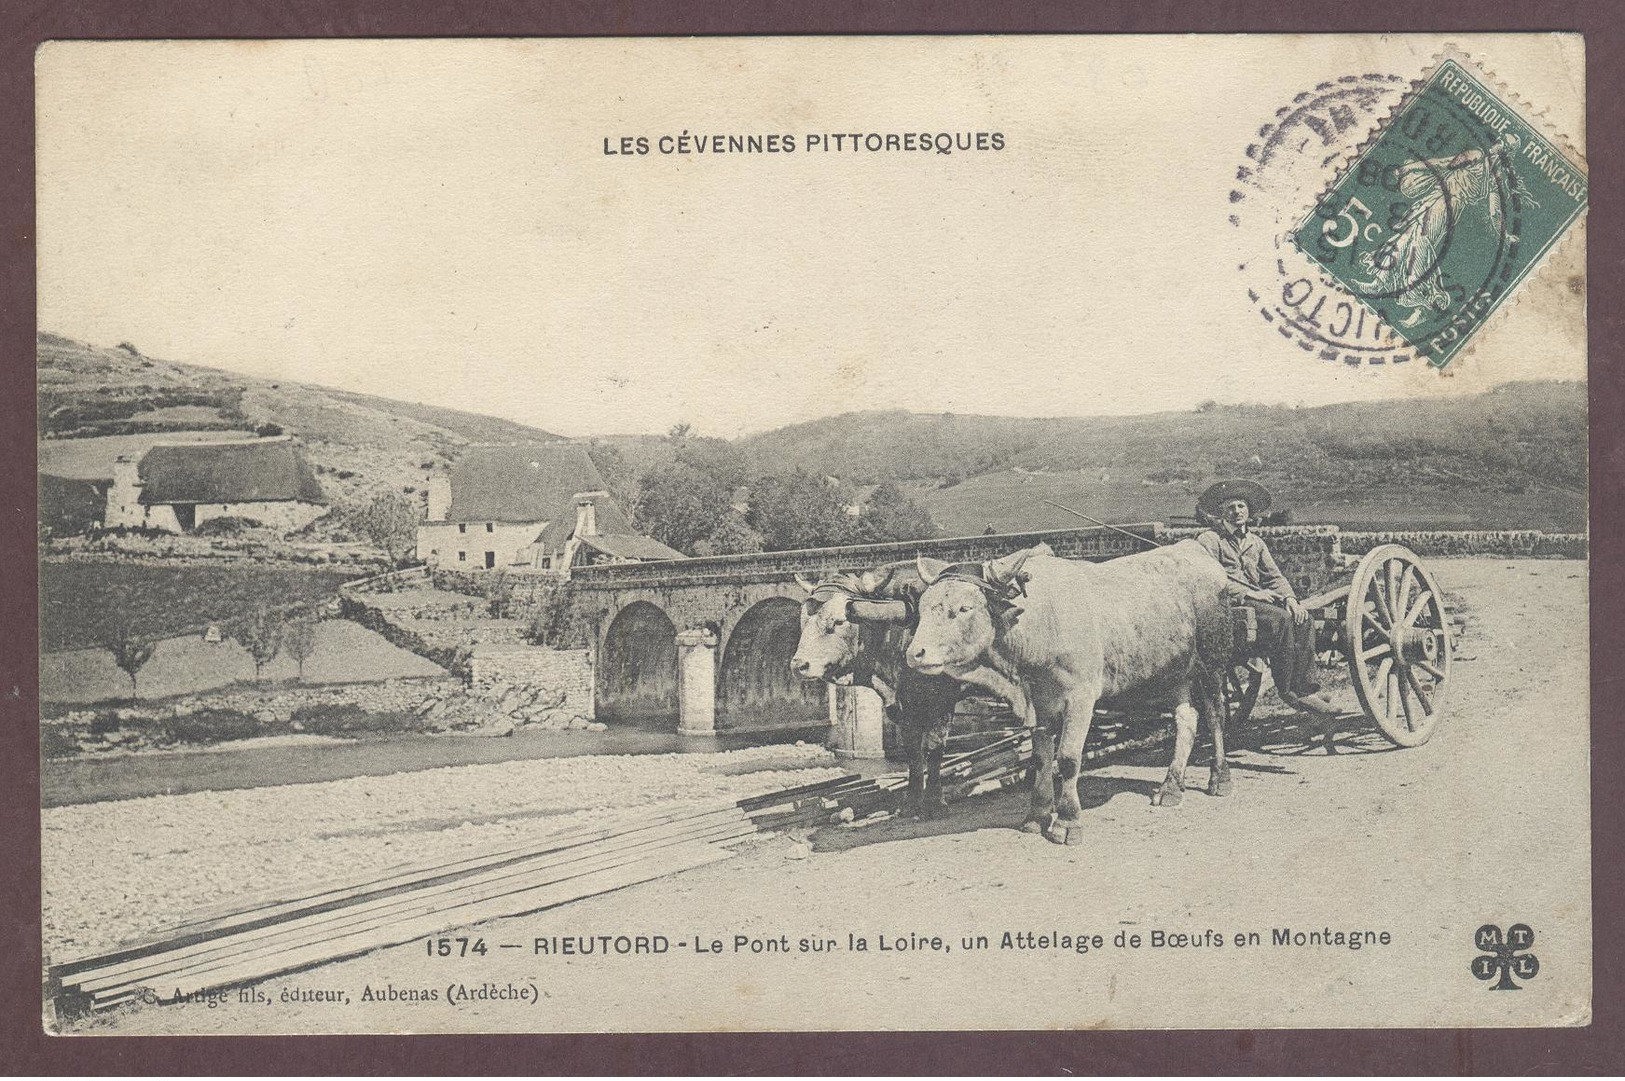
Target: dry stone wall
x,y
561,678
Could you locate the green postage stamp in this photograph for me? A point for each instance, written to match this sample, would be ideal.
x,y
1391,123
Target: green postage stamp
x,y
1445,212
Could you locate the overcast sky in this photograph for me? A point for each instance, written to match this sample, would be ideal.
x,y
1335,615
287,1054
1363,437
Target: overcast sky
x,y
439,222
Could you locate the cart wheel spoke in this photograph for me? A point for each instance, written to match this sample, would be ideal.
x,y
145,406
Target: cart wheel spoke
x,y
1416,689
1401,598
1417,607
1430,670
1382,649
1396,690
1403,678
1384,613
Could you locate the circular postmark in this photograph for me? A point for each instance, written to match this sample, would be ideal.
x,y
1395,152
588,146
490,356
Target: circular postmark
x,y
1292,161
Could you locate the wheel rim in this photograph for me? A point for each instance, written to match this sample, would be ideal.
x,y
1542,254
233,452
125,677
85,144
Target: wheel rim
x,y
1397,632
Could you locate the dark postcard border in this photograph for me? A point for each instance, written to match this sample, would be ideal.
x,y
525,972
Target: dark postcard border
x,y
1599,1048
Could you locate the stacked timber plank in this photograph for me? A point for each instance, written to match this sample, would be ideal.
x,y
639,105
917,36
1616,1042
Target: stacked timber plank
x,y
287,934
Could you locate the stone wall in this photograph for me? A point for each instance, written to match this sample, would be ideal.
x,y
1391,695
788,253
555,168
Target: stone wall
x,y
559,671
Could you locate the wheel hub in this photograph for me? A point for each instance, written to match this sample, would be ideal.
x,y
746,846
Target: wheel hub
x,y
1418,644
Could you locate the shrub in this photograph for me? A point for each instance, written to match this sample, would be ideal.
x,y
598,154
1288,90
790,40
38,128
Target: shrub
x,y
57,741
343,719
227,526
214,726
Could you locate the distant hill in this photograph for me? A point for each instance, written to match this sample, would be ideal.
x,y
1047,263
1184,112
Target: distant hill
x,y
1514,457
96,403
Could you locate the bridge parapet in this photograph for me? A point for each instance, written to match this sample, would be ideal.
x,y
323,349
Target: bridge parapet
x,y
1091,544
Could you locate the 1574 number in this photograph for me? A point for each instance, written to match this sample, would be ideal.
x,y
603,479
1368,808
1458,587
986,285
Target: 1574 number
x,y
454,947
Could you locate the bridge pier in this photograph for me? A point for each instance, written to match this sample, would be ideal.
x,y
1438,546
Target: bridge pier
x,y
697,682
859,720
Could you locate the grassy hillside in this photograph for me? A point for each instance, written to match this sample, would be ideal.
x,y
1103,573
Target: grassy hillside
x,y
97,403
1511,458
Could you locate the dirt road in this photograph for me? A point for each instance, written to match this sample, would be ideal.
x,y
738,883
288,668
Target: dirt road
x,y
1488,823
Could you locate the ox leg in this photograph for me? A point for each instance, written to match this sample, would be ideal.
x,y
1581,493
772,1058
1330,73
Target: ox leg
x,y
914,805
1173,785
1213,706
933,804
1078,714
1041,812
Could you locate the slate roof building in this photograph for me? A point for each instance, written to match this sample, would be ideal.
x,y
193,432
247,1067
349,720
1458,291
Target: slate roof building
x,y
179,486
540,507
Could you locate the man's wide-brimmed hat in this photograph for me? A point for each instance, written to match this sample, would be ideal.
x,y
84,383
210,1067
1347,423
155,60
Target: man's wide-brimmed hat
x,y
1214,499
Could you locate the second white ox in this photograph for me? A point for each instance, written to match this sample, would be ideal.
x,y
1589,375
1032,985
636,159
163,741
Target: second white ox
x,y
1149,631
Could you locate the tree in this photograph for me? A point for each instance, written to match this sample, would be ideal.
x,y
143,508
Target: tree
x,y
732,535
299,640
390,522
799,510
716,458
130,651
260,632
678,505
890,515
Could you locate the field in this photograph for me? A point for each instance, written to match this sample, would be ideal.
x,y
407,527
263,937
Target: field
x,y
1013,501
78,600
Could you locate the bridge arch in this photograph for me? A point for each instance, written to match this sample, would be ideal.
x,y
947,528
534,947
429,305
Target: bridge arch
x,y
755,687
636,677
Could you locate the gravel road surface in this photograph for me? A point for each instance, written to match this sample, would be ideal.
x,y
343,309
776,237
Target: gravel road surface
x,y
1488,823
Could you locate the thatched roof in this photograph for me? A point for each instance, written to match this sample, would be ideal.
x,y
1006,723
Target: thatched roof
x,y
521,483
252,471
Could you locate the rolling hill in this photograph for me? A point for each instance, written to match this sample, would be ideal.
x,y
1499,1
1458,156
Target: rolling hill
x,y
97,403
1514,457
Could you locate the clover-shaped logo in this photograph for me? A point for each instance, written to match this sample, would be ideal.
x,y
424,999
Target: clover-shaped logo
x,y
1505,955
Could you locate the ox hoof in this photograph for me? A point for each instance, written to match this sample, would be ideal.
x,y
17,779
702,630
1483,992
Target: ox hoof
x,y
1035,824
1066,833
1219,786
1167,796
929,811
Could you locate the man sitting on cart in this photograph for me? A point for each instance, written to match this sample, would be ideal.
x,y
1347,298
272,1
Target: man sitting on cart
x,y
1286,634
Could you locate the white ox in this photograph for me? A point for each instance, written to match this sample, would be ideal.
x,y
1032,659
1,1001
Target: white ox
x,y
1150,631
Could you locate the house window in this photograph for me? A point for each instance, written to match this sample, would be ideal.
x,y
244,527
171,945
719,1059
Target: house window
x,y
462,527
462,557
490,560
489,528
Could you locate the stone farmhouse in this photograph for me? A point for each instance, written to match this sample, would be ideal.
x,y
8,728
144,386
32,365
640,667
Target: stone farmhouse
x,y
536,508
179,486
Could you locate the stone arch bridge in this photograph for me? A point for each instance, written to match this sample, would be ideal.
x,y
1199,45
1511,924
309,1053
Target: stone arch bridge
x,y
703,645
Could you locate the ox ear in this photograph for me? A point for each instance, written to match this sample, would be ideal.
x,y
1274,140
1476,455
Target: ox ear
x,y
806,583
929,569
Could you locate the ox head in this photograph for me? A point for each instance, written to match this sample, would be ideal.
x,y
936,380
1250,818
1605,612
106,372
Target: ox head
x,y
832,618
964,610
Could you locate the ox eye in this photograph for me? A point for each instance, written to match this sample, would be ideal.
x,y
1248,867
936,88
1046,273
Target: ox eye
x,y
964,609
839,622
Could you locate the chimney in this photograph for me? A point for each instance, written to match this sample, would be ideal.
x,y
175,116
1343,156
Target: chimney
x,y
124,494
439,496
586,515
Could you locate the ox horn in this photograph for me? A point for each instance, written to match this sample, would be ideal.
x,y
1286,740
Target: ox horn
x,y
926,575
805,583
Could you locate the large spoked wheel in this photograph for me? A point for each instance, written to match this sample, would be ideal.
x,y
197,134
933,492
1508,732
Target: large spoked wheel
x,y
1241,683
1398,638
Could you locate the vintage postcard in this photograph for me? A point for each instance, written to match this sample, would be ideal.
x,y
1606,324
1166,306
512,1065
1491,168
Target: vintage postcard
x,y
756,534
